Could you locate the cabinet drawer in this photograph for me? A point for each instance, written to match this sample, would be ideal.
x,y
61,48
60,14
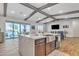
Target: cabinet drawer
x,y
39,41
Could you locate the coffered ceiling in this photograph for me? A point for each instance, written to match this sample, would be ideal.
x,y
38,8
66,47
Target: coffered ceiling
x,y
40,12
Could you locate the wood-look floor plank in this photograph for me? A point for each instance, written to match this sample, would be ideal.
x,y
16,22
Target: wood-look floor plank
x,y
70,46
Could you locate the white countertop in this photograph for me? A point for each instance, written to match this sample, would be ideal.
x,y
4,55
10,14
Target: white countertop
x,y
50,34
34,36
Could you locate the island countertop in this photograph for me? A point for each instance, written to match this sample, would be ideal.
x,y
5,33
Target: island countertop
x,y
34,37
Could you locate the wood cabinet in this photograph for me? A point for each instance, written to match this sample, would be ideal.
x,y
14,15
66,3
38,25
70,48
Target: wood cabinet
x,y
50,47
40,47
47,48
1,37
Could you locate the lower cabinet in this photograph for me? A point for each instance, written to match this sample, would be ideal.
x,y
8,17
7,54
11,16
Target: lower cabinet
x,y
40,48
47,48
50,47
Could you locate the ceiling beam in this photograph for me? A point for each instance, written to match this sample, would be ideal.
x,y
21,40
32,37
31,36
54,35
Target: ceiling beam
x,y
30,15
47,5
29,6
68,18
5,9
63,19
66,13
41,19
37,10
46,14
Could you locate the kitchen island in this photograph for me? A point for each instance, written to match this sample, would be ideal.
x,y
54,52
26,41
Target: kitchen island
x,y
32,45
39,45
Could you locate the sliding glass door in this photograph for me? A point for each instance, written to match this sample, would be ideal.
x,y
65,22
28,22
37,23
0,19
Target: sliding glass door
x,y
22,28
9,30
14,29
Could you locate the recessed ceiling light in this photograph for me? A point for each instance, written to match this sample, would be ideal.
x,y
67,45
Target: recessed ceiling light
x,y
60,11
12,12
24,15
39,18
49,9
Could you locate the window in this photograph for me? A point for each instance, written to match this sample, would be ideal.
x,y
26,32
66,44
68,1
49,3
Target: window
x,y
13,29
40,28
9,30
22,28
28,28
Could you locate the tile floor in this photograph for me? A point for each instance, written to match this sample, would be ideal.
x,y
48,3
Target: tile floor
x,y
10,48
57,53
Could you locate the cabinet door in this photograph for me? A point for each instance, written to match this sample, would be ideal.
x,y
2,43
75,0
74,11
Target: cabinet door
x,y
52,46
48,48
40,49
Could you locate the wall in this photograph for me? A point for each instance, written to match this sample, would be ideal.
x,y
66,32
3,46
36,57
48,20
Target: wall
x,y
75,25
61,23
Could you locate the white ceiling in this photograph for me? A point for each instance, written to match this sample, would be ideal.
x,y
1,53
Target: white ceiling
x,y
61,8
68,16
46,20
20,11
37,16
